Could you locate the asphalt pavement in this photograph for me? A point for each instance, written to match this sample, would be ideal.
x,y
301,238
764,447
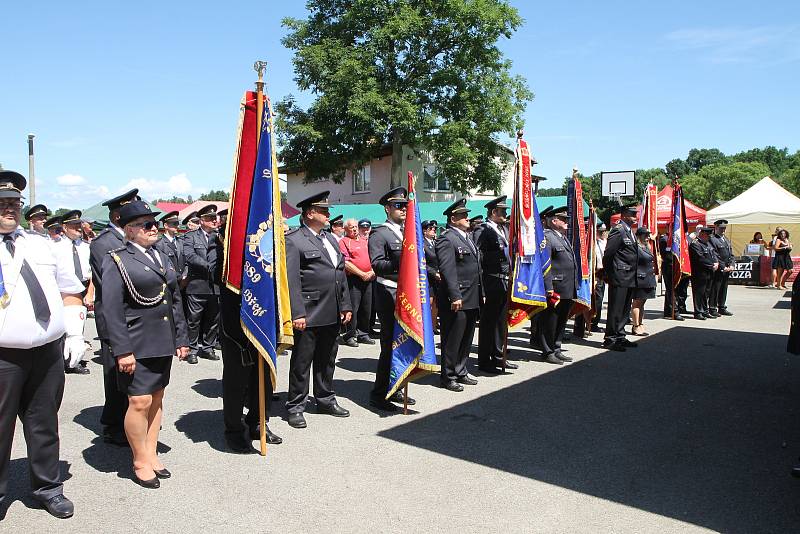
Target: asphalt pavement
x,y
694,430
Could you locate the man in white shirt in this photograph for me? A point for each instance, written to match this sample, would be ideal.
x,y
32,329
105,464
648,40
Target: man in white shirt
x,y
37,295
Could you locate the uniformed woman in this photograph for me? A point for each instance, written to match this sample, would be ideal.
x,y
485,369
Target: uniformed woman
x,y
645,280
146,328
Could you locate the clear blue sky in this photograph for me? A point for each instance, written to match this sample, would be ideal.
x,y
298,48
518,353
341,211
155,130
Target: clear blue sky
x,y
147,93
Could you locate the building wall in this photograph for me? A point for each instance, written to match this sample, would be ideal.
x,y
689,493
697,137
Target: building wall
x,y
380,181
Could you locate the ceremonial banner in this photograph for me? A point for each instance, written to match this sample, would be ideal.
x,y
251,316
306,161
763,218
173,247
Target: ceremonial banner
x,y
413,349
529,259
244,163
648,218
678,242
576,233
265,313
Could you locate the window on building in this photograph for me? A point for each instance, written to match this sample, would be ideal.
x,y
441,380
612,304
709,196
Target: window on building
x,y
435,181
361,180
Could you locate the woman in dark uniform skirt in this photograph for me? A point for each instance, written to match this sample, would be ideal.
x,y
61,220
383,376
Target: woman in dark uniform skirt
x,y
146,327
645,281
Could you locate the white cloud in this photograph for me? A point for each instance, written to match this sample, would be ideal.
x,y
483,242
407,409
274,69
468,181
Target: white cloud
x,y
178,185
70,180
771,44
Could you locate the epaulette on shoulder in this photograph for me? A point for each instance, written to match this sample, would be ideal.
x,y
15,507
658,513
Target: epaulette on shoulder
x,y
115,250
292,231
446,230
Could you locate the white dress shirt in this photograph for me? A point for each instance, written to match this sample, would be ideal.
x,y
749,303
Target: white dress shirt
x,y
333,254
144,251
63,250
18,325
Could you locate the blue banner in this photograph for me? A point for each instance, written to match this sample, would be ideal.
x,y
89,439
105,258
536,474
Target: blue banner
x,y
583,281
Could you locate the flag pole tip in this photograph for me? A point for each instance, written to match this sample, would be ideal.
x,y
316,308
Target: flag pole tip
x,y
520,133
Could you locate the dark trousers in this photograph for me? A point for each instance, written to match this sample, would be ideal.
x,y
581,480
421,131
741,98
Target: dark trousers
x,y
458,329
361,300
682,293
203,322
550,326
700,290
31,388
315,346
494,324
619,309
384,306
668,278
240,385
719,291
597,301
116,402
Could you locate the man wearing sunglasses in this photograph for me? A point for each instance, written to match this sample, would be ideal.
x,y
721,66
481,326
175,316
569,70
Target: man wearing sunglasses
x,y
169,243
202,294
116,402
385,247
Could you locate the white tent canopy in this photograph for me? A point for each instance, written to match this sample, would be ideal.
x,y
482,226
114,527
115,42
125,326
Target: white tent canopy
x,y
765,203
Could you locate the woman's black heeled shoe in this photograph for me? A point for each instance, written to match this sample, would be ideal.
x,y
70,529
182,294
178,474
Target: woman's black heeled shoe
x,y
153,483
162,473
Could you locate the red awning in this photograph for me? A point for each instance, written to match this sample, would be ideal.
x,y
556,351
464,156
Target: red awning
x,y
694,214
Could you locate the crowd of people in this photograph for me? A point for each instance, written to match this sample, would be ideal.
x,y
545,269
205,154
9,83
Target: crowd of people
x,y
158,294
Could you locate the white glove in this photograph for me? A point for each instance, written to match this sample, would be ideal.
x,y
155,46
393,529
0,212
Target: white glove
x,y
74,345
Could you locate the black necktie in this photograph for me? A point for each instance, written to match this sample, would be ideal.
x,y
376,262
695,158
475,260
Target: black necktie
x,y
152,254
39,302
76,262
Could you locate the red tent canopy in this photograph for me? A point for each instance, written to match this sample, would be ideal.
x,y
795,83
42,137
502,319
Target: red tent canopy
x,y
694,214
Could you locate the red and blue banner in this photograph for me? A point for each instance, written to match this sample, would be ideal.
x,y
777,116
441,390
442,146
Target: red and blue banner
x,y
413,348
576,233
678,242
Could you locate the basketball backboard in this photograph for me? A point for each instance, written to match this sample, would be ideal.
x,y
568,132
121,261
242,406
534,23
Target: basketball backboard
x,y
617,183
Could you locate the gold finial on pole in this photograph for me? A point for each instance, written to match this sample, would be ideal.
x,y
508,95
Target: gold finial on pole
x,y
259,67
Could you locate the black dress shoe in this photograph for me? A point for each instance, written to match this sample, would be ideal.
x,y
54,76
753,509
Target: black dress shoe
x,y
115,437
153,483
333,409
726,313
192,359
467,380
679,318
709,315
80,370
491,369
350,342
296,420
452,385
59,506
237,445
366,340
382,404
209,356
162,473
272,438
616,347
563,358
699,316
627,344
551,358
509,364
398,398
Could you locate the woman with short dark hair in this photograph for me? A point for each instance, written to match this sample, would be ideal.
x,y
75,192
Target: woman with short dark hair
x,y
782,262
645,281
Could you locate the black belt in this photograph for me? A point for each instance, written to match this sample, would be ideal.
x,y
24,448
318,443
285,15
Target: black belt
x,y
498,275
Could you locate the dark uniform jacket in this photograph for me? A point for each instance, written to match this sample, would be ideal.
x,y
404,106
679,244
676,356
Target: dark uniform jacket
x,y
317,288
174,251
621,256
723,249
105,241
793,343
492,247
663,248
563,275
432,263
385,248
702,258
146,330
645,273
460,270
230,307
201,260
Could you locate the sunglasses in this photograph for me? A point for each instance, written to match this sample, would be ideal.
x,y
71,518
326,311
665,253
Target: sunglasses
x,y
399,205
147,225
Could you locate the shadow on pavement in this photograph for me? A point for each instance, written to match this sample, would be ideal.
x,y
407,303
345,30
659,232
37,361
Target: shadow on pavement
x,y
203,426
696,424
209,387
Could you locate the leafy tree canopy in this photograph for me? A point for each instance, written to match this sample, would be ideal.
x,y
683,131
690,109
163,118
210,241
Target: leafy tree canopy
x,y
217,196
422,73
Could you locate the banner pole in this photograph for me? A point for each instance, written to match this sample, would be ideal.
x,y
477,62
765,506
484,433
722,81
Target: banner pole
x,y
259,67
405,398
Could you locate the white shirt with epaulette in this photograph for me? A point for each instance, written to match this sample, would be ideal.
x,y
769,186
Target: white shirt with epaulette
x,y
18,326
63,250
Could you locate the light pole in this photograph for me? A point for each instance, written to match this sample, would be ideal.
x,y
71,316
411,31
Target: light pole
x,y
31,178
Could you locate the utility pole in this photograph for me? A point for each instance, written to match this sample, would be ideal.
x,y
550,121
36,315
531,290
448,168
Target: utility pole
x,y
31,177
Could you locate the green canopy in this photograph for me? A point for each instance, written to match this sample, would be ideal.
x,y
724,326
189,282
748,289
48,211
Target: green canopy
x,y
427,210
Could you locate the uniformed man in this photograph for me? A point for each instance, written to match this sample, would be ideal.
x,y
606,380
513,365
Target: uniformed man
x,y
619,263
191,222
337,227
560,283
385,247
474,229
53,228
429,229
37,294
116,402
460,295
704,264
320,304
36,216
170,243
74,251
222,216
727,262
239,372
535,319
492,244
667,266
202,294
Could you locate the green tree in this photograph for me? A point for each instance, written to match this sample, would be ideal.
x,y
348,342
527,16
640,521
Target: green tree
x,y
174,199
700,157
216,196
407,72
677,167
778,160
